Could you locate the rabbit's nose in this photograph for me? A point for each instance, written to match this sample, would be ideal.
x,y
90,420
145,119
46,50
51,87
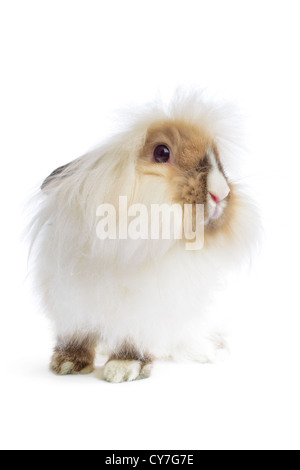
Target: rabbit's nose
x,y
218,199
218,187
215,198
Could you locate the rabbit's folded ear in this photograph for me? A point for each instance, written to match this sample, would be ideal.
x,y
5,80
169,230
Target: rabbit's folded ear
x,y
55,174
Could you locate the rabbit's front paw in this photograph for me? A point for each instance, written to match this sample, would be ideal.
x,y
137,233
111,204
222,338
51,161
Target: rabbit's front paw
x,y
64,367
70,368
117,371
75,355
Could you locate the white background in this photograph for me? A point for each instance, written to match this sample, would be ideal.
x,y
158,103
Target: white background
x,y
65,67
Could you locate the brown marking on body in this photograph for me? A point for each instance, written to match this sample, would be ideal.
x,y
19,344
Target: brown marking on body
x,y
54,175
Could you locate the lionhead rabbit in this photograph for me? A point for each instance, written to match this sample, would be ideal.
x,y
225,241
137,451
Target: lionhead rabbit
x,y
141,297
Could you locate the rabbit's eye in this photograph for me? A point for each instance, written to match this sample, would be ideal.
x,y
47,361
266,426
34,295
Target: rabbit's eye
x,y
162,154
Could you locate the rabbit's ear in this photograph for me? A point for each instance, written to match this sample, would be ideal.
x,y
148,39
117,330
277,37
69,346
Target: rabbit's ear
x,y
54,175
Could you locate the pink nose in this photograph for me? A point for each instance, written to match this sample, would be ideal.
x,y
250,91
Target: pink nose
x,y
215,198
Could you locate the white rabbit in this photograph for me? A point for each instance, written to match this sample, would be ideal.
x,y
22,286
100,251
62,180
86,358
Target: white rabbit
x,y
142,299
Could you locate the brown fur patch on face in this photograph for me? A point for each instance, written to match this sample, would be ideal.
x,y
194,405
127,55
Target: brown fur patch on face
x,y
128,352
75,356
189,145
188,174
187,142
193,188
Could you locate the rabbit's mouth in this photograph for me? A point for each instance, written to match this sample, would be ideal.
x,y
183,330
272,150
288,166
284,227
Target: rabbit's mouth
x,y
215,210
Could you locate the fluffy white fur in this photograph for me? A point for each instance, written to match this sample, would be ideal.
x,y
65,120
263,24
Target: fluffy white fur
x,y
152,293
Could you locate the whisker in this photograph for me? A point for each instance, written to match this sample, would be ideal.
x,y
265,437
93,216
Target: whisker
x,y
238,180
